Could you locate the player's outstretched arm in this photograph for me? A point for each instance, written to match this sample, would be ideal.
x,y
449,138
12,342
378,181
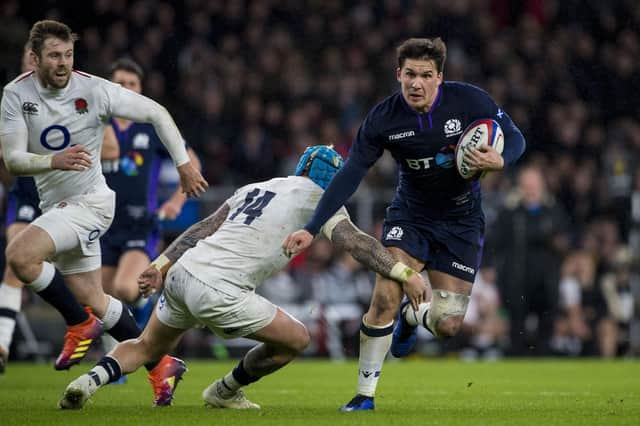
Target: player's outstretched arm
x,y
151,279
136,107
368,251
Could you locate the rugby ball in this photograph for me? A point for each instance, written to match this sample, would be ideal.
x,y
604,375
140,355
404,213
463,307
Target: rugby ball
x,y
481,132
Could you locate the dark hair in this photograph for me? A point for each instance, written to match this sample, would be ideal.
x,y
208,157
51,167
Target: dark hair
x,y
424,49
42,30
126,64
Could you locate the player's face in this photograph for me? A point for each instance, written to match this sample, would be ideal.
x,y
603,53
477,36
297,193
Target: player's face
x,y
419,80
55,62
128,80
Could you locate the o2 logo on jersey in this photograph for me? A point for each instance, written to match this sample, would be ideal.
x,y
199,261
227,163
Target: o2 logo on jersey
x,y
130,163
50,137
445,158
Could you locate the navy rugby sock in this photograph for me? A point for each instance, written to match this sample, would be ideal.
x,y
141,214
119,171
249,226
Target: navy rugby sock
x,y
58,295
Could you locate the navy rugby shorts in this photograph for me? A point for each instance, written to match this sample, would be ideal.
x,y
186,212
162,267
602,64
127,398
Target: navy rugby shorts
x,y
450,245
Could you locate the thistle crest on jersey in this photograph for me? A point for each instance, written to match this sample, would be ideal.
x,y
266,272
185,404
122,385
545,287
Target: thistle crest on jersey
x,y
320,163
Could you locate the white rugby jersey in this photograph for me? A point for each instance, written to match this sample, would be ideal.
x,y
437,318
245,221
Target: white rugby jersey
x,y
247,248
55,119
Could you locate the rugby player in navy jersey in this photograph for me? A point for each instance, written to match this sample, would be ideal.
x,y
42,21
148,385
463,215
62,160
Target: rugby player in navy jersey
x,y
132,239
435,221
22,209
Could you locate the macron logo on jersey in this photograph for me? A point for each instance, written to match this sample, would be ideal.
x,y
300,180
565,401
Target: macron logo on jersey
x,y
402,135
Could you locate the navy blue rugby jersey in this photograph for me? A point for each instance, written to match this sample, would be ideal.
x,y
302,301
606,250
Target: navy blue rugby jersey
x,y
134,178
423,145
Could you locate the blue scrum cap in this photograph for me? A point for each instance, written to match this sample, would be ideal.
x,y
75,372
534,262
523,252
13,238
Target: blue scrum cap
x,y
320,163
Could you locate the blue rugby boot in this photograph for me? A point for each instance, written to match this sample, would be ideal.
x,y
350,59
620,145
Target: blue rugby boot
x,y
404,335
359,403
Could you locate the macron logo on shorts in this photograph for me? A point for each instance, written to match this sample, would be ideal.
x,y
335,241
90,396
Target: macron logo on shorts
x,y
463,268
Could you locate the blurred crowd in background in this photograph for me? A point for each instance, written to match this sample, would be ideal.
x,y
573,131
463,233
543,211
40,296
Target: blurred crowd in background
x,y
252,83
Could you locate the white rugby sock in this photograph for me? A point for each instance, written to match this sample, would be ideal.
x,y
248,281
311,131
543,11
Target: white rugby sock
x,y
10,302
375,342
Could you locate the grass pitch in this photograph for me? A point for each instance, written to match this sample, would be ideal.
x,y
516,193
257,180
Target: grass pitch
x,y
413,392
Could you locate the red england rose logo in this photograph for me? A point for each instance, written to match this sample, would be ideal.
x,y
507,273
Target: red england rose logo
x,y
81,106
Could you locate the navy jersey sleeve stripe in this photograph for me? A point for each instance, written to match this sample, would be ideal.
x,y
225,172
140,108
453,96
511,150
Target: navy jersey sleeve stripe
x,y
342,186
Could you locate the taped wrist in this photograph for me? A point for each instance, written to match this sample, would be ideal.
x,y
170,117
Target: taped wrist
x,y
401,272
162,264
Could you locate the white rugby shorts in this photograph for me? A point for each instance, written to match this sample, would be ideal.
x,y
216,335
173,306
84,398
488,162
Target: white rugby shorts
x,y
227,310
75,225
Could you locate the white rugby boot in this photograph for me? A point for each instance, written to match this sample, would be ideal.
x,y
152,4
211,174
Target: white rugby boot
x,y
78,393
237,401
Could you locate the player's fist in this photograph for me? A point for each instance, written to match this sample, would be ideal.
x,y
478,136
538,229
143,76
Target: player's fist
x,y
76,158
297,242
149,281
191,181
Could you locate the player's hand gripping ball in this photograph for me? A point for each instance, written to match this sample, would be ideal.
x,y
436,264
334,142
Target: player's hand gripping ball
x,y
483,132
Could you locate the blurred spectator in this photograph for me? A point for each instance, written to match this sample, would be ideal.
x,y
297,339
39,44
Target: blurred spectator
x,y
526,245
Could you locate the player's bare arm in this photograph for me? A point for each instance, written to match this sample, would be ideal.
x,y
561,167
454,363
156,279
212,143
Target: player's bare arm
x,y
368,251
173,206
110,147
151,279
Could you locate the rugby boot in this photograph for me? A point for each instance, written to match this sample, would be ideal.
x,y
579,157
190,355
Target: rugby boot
x,y
237,401
359,403
77,341
404,335
164,379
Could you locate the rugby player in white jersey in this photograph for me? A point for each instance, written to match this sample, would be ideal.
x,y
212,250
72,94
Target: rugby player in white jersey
x,y
23,209
213,270
52,123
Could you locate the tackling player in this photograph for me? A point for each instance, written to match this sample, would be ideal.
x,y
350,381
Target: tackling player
x,y
435,220
213,270
22,209
51,127
130,243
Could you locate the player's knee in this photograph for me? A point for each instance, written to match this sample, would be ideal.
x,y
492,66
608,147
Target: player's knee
x,y
449,327
446,313
302,340
16,258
